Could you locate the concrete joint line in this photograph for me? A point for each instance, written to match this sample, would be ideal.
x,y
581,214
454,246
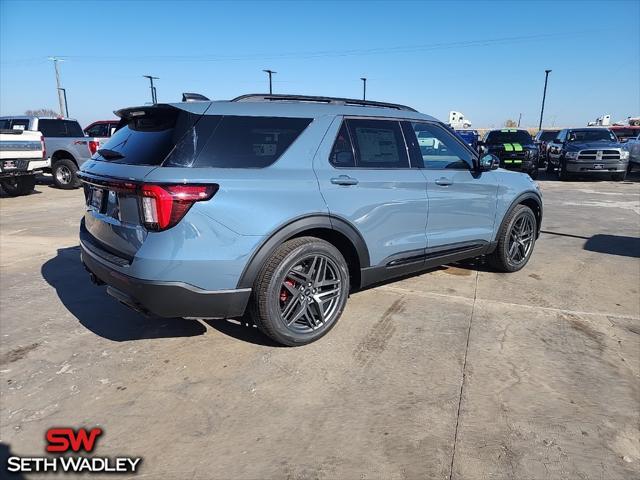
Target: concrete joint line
x,y
462,382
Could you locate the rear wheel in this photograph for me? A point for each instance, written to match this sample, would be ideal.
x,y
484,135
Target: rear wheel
x,y
301,291
65,174
17,186
516,240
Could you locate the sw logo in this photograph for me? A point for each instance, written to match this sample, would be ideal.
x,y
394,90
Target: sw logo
x,y
65,440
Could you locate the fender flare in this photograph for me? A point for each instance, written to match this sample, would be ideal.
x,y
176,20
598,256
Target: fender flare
x,y
63,154
517,201
294,228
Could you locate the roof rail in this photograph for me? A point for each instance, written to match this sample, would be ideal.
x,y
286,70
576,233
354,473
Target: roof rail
x,y
265,97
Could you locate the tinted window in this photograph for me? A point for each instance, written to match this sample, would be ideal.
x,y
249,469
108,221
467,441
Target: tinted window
x,y
508,136
5,124
626,132
237,142
342,152
436,148
148,138
60,128
99,130
593,135
548,135
378,144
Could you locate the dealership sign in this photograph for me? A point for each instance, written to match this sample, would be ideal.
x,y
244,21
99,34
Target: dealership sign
x,y
68,440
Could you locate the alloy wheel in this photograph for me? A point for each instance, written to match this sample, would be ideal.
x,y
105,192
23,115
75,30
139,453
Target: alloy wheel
x,y
63,174
521,239
310,293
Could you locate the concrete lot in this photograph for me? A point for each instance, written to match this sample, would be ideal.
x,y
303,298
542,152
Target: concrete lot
x,y
456,373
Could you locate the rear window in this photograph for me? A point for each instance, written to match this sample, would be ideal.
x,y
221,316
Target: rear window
x,y
60,128
236,142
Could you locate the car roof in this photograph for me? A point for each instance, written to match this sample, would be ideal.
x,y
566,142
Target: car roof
x,y
302,106
508,130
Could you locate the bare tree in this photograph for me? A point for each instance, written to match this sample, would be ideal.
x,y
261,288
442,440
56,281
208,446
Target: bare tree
x,y
510,123
41,112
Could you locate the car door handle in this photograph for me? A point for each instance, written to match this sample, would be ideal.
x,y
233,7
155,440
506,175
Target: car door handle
x,y
444,182
344,180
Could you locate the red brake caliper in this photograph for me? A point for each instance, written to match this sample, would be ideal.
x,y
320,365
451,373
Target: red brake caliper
x,y
284,293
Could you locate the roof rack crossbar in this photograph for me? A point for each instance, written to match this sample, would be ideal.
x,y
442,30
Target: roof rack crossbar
x,y
262,97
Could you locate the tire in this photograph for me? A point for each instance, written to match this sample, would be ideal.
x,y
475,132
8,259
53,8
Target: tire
x,y
281,287
562,172
65,174
533,173
619,177
502,259
550,167
16,186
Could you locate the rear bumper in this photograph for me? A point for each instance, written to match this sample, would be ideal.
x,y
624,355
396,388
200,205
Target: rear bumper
x,y
166,299
597,167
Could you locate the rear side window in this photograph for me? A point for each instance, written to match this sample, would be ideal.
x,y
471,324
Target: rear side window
x,y
241,142
378,143
60,128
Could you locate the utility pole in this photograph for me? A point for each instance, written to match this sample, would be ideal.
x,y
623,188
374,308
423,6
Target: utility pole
x,y
519,118
66,105
55,61
269,72
544,96
364,87
154,96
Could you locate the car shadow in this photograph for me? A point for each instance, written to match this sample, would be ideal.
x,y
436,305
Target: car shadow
x,y
5,454
614,245
242,329
102,314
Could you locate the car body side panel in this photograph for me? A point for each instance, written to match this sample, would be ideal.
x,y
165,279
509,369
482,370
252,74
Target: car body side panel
x,y
388,206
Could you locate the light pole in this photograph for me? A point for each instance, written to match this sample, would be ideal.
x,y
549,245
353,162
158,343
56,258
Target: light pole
x,y
66,105
364,87
544,96
55,61
269,72
154,96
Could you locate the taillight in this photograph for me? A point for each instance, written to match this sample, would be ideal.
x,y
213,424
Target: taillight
x,y
93,146
44,149
163,206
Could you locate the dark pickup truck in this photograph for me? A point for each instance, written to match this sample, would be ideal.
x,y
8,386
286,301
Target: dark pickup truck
x,y
515,149
587,151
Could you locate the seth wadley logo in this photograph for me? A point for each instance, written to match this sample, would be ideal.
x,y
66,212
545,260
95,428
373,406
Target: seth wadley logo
x,y
65,440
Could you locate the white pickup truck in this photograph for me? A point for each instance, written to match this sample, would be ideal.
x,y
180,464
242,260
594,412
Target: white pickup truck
x,y
22,156
66,144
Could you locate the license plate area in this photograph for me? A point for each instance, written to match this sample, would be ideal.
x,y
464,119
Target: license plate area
x,y
96,199
598,166
9,165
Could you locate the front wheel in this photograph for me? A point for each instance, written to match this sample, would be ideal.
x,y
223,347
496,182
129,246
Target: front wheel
x,y
562,171
16,186
64,173
619,177
533,173
516,240
301,291
550,166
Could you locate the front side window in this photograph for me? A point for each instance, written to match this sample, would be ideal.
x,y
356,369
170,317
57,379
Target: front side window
x,y
99,130
435,148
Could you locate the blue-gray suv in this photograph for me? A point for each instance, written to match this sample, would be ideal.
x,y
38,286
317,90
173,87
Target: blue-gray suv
x,y
280,206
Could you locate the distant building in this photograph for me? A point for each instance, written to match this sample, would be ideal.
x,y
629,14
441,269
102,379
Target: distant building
x,y
457,120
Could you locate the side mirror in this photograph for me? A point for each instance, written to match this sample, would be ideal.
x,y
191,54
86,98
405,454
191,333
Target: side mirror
x,y
487,162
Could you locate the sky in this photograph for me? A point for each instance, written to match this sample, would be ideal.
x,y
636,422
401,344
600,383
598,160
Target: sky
x,y
485,59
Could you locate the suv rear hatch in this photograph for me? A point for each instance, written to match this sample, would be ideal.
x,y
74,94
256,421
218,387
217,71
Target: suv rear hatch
x,y
121,209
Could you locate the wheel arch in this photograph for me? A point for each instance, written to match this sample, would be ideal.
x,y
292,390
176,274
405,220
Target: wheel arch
x,y
531,200
60,154
340,233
